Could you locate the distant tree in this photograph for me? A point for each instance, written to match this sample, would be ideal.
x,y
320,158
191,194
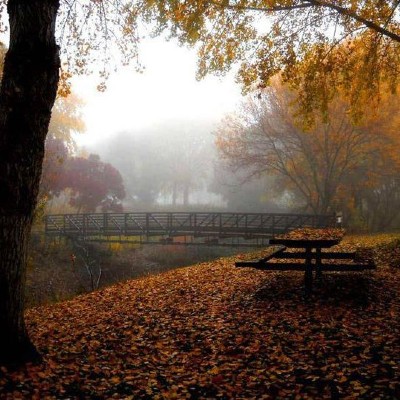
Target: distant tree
x,y
244,195
56,155
66,120
188,160
372,199
264,137
93,184
140,159
380,205
148,176
169,160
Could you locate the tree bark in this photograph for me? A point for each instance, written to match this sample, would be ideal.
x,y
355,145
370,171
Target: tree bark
x,y
27,94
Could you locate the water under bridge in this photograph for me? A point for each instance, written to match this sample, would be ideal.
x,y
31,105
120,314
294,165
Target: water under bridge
x,y
182,228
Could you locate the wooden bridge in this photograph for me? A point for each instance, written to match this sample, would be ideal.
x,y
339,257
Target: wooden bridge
x,y
202,228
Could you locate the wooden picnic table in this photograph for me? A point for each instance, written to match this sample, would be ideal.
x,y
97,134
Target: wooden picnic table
x,y
310,259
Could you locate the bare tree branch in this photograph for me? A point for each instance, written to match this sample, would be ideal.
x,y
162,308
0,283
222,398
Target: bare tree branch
x,y
317,4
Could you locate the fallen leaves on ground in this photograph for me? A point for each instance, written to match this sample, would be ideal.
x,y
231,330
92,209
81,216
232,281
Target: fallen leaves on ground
x,y
213,331
314,234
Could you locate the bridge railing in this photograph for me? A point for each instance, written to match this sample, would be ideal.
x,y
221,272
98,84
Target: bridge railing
x,y
181,223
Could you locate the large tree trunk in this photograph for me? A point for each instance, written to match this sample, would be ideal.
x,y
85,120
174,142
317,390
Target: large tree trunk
x,y
28,91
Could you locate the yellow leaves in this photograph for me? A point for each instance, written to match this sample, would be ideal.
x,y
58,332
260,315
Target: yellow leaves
x,y
66,118
64,85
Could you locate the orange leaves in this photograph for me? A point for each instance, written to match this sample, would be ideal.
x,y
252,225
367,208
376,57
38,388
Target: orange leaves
x,y
214,331
310,233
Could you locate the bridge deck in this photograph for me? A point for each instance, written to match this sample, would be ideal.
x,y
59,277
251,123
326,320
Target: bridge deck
x,y
172,224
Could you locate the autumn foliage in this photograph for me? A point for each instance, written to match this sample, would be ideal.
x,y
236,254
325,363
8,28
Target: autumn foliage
x,y
88,182
93,184
330,164
320,47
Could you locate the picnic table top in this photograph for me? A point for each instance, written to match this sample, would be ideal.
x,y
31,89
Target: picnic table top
x,y
306,243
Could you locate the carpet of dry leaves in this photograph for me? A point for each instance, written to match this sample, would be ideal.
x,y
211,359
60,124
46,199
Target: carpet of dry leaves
x,y
213,331
314,234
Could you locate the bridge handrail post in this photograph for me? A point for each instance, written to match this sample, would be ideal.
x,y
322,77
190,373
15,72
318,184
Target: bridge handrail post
x,y
104,224
84,220
273,226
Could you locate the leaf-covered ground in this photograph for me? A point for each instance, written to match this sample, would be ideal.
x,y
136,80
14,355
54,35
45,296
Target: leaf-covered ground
x,y
213,331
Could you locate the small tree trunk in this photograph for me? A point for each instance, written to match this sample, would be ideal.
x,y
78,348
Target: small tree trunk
x,y
186,194
28,91
174,193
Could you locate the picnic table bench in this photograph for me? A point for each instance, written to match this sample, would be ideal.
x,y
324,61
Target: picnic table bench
x,y
310,259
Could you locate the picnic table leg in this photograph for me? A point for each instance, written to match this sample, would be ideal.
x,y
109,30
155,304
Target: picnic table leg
x,y
308,278
318,262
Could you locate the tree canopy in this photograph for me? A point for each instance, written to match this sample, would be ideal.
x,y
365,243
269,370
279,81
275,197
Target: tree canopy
x,y
310,42
93,184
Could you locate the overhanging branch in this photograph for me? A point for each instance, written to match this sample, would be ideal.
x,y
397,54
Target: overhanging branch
x,y
313,4
345,11
261,9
